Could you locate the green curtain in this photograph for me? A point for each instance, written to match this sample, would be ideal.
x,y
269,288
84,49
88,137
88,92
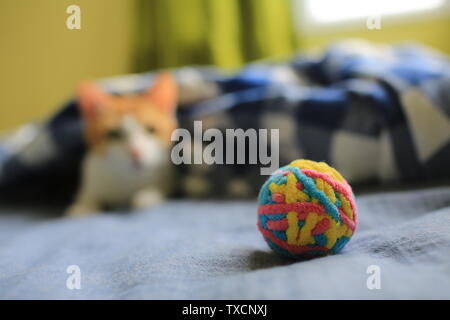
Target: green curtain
x,y
227,33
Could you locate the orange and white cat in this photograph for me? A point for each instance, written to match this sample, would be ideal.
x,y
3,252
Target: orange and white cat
x,y
127,162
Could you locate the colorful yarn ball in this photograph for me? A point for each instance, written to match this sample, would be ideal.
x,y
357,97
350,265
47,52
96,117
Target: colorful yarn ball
x,y
306,209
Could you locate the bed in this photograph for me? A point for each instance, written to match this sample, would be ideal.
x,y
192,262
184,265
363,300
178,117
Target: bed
x,y
212,250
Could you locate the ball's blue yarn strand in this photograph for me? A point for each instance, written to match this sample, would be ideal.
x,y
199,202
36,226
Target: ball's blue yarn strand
x,y
310,185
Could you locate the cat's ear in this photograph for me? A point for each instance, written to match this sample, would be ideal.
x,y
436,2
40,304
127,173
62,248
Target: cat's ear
x,y
91,98
164,92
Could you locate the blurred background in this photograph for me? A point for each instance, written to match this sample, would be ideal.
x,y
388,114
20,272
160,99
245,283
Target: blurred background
x,y
41,60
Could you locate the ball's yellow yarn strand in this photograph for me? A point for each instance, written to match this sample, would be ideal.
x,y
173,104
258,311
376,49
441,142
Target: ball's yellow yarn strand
x,y
305,233
293,229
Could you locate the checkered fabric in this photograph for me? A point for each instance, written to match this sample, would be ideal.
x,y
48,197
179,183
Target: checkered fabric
x,y
372,112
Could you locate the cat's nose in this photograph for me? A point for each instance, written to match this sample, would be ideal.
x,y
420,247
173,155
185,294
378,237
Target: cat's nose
x,y
135,154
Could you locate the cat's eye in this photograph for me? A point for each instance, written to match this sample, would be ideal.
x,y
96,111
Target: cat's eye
x,y
151,129
114,134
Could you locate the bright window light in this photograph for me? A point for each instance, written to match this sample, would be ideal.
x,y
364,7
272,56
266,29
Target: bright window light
x,y
329,11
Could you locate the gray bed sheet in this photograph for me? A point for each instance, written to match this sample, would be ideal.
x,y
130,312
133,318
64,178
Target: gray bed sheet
x,y
213,250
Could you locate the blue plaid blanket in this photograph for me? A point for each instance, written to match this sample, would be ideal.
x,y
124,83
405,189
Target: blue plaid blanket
x,y
373,112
